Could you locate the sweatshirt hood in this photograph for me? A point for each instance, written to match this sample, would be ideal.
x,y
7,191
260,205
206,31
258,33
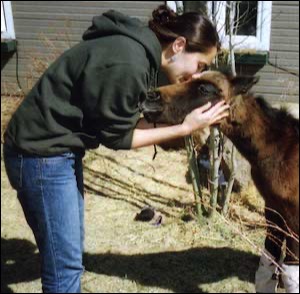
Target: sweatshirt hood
x,y
116,23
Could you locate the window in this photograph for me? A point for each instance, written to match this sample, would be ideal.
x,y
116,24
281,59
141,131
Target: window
x,y
251,21
244,18
177,6
7,24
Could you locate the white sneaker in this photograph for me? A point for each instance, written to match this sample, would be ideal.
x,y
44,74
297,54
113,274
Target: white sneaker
x,y
266,277
290,277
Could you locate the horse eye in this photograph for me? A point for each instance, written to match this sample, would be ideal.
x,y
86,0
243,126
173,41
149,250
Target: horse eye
x,y
203,89
235,123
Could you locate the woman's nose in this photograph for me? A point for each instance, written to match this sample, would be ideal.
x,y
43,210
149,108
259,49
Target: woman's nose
x,y
197,75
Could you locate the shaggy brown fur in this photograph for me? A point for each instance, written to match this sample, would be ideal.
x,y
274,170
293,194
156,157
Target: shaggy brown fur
x,y
268,138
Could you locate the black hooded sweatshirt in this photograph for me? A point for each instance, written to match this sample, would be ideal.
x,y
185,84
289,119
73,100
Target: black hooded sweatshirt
x,y
89,95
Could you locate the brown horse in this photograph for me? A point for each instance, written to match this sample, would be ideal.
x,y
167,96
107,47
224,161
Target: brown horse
x,y
269,139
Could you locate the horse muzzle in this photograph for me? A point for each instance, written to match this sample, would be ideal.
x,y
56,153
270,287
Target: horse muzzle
x,y
151,106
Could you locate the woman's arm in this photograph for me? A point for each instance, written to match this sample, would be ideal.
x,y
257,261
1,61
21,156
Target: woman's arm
x,y
145,134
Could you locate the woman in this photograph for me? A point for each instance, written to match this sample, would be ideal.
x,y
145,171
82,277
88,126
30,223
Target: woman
x,y
89,96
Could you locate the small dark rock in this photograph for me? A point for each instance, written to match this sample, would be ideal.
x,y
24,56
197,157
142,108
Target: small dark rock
x,y
145,215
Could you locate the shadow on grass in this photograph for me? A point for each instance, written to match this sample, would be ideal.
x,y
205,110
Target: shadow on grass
x,y
180,272
19,263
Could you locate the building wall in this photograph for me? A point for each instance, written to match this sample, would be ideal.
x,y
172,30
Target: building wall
x,y
274,83
44,29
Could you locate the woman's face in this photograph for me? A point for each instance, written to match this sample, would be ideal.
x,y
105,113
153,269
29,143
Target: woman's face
x,y
185,64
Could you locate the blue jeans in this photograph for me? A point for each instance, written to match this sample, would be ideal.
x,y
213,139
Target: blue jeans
x,y
50,190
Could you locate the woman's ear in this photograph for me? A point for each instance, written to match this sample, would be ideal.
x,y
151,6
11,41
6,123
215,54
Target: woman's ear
x,y
178,45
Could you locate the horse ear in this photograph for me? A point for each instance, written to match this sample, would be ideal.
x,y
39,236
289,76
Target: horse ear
x,y
242,84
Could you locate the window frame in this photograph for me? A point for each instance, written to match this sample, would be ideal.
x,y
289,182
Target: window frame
x,y
260,42
8,29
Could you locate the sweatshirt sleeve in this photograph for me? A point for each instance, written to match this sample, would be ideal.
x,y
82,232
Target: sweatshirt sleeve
x,y
110,104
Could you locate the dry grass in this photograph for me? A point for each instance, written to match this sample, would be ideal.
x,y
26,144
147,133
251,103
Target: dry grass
x,y
8,105
122,255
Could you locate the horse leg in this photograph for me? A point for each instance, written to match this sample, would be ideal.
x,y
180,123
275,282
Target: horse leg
x,y
290,274
266,277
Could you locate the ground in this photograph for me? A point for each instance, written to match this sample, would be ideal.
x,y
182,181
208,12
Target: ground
x,y
125,256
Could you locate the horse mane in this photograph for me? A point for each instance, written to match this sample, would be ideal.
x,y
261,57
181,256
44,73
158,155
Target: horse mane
x,y
280,117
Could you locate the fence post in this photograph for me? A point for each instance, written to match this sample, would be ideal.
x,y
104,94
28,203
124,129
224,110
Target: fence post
x,y
231,61
195,177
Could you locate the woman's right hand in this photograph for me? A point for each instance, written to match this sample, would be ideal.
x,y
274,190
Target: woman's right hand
x,y
205,116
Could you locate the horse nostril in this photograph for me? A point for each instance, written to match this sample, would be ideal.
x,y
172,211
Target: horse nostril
x,y
151,103
153,95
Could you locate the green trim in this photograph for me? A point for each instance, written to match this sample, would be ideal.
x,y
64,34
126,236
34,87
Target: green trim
x,y
8,46
248,58
255,58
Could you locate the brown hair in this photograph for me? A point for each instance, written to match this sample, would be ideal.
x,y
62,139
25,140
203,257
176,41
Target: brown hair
x,y
197,29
